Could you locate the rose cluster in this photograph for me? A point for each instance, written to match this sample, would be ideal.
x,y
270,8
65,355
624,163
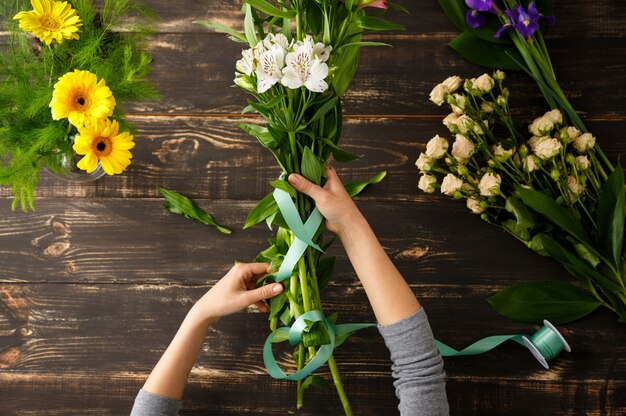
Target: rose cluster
x,y
276,60
490,155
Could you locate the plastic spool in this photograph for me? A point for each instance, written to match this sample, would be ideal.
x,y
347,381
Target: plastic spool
x,y
536,353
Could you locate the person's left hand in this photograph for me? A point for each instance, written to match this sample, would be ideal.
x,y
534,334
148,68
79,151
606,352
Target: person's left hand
x,y
236,291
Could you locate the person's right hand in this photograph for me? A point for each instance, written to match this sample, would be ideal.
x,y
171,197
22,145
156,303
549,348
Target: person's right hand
x,y
332,200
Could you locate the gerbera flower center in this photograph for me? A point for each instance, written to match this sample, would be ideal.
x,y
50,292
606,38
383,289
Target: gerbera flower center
x,y
50,22
101,146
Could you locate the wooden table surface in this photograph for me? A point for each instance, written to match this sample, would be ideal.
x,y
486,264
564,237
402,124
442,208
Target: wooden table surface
x,y
94,284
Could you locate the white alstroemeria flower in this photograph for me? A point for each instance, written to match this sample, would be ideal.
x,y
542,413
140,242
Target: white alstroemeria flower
x,y
321,51
269,70
278,39
424,163
436,147
545,147
427,183
484,83
304,69
246,65
474,205
462,149
489,184
584,142
502,154
450,184
438,94
452,83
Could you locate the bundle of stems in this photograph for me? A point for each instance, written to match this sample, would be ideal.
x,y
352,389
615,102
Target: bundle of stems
x,y
298,61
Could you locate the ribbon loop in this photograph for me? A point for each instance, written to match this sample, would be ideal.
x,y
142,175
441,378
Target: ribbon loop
x,y
304,233
295,336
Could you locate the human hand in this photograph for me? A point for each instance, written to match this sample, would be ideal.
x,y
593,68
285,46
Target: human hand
x,y
332,201
236,291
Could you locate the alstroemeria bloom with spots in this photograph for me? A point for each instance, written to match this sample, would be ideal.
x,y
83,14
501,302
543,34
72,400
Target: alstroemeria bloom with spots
x,y
269,68
304,68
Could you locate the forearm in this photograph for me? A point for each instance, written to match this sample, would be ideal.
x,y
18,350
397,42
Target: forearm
x,y
169,376
390,296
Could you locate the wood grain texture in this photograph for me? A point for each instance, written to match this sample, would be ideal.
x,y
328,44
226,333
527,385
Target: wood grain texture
x,y
108,337
195,72
94,284
210,157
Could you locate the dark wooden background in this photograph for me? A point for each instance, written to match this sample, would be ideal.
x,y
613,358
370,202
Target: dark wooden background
x,y
94,284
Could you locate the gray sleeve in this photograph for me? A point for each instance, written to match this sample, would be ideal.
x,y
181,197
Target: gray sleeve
x,y
417,366
150,404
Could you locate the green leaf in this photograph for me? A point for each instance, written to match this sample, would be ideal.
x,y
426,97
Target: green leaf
x,y
276,305
611,217
325,269
481,52
321,112
285,186
265,208
179,204
238,36
373,23
267,8
362,44
312,168
313,380
339,154
455,10
262,134
248,25
556,213
577,267
517,230
523,216
397,7
532,302
355,188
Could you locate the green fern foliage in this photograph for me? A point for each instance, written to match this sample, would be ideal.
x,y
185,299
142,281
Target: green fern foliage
x,y
109,47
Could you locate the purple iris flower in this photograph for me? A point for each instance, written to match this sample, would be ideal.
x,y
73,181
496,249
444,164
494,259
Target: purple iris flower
x,y
480,5
475,17
525,22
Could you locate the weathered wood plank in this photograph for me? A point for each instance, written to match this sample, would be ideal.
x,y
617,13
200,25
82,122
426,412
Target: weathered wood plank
x,y
212,158
195,78
74,332
138,241
230,395
589,19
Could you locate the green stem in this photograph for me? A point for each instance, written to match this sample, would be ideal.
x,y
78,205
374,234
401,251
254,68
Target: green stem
x,y
339,385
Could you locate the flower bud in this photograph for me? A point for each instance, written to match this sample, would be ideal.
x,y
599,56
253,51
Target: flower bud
x,y
484,216
499,75
555,174
582,163
523,151
462,170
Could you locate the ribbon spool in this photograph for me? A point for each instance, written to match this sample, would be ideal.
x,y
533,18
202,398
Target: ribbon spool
x,y
304,237
547,343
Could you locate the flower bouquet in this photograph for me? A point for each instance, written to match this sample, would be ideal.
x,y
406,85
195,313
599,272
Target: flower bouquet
x,y
298,60
62,73
556,191
544,186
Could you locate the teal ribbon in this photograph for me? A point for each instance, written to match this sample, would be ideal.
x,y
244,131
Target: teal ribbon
x,y
304,238
295,336
304,233
545,344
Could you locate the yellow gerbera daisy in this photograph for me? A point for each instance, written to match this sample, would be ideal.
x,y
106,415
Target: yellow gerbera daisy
x,y
50,20
100,141
81,98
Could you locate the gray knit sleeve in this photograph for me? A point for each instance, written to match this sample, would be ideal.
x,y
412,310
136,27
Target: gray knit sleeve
x,y
417,366
150,404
